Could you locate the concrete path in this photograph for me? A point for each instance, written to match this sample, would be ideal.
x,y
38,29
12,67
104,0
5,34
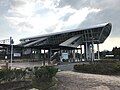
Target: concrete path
x,y
69,80
66,66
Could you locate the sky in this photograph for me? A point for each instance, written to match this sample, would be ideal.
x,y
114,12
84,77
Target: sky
x,y
26,18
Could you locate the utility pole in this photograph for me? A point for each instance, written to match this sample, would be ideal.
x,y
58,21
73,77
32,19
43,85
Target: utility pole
x,y
11,57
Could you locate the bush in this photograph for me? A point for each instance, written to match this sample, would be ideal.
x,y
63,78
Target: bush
x,y
43,77
11,74
100,67
117,67
19,74
44,73
6,75
106,61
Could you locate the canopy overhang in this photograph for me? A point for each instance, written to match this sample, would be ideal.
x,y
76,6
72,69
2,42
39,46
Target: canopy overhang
x,y
70,38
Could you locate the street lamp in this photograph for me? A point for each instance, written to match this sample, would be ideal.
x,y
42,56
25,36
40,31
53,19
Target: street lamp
x,y
11,57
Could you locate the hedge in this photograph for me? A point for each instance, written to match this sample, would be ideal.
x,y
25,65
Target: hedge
x,y
100,67
44,73
41,77
7,75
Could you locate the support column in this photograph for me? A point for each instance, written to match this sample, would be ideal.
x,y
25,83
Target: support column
x,y
93,56
98,51
49,53
60,55
31,55
86,51
89,52
40,55
44,58
73,55
81,52
77,55
34,54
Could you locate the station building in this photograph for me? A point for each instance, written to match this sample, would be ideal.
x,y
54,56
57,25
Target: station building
x,y
61,46
68,41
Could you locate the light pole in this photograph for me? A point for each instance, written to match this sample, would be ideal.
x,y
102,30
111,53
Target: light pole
x,y
11,57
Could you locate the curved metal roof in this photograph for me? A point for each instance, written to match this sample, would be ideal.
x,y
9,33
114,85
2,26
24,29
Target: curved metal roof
x,y
70,38
68,31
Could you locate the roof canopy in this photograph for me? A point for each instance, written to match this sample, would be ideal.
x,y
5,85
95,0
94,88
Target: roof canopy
x,y
70,38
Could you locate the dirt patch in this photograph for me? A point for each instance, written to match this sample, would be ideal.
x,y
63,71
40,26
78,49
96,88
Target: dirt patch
x,y
69,80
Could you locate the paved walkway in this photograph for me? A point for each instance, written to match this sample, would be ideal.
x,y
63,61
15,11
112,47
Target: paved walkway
x,y
66,66
79,81
23,64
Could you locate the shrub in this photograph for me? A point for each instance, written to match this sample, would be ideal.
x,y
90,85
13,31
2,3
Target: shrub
x,y
19,74
100,67
43,77
106,61
11,74
117,67
44,73
6,75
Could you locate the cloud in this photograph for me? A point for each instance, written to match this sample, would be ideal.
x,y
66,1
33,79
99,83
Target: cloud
x,y
4,6
74,4
17,3
36,17
41,15
109,13
112,42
